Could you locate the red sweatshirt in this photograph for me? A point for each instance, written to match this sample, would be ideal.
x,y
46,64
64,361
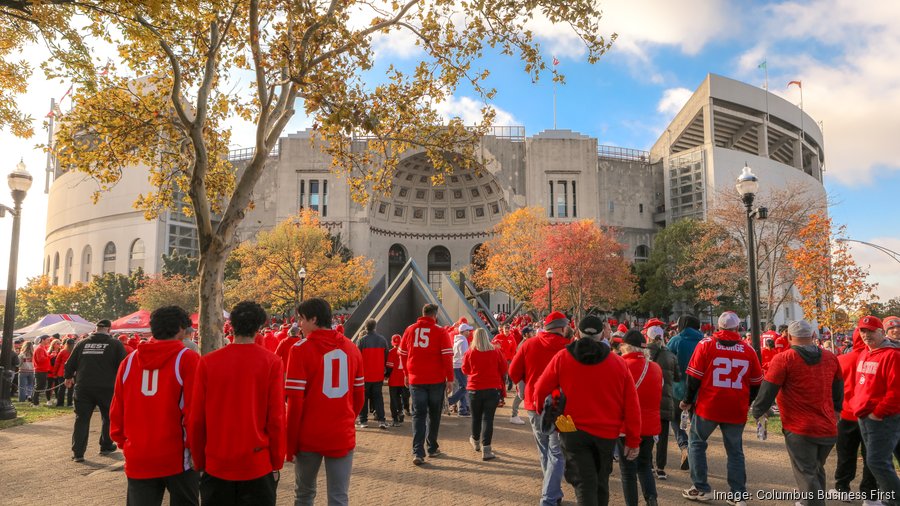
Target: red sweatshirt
x,y
485,369
150,407
507,345
805,398
396,366
237,418
848,371
649,390
426,352
374,350
325,388
41,359
284,349
531,360
60,365
605,411
877,389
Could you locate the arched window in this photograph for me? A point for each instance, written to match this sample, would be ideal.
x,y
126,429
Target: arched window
x,y
109,258
86,264
54,280
641,253
396,260
136,256
438,264
67,267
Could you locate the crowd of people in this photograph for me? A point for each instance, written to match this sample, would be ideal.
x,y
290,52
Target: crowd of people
x,y
217,429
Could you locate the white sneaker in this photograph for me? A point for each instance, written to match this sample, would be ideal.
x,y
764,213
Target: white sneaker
x,y
872,503
836,495
515,420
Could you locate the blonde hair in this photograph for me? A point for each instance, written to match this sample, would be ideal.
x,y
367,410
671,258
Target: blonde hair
x,y
480,341
27,349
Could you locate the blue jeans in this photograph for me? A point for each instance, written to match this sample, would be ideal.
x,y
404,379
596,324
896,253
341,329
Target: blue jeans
x,y
881,438
552,463
460,394
638,470
427,401
26,385
732,436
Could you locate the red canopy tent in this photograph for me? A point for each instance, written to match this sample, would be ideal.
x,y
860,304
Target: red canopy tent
x,y
139,321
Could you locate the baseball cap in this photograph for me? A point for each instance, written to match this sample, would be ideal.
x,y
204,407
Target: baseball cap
x,y
891,322
800,328
104,323
590,325
729,320
622,328
395,339
654,322
555,320
870,323
634,338
655,332
465,327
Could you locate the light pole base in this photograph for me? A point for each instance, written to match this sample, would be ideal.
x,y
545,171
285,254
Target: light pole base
x,y
7,410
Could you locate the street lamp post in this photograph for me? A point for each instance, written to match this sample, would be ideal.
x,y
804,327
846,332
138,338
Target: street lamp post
x,y
302,275
19,182
747,186
549,290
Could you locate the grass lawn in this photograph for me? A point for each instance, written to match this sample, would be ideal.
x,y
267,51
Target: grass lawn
x,y
774,426
29,413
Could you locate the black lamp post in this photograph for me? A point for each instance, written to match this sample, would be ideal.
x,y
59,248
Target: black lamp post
x,y
747,186
550,290
19,182
302,275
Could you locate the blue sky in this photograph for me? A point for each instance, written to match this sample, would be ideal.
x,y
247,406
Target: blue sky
x,y
845,52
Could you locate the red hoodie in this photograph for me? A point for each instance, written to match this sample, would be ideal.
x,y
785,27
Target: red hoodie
x,y
396,366
237,416
507,345
649,390
41,359
485,369
150,407
877,383
531,360
603,411
848,371
284,349
325,388
60,365
426,352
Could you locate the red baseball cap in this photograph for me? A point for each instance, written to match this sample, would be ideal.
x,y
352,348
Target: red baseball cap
x,y
891,322
654,322
870,323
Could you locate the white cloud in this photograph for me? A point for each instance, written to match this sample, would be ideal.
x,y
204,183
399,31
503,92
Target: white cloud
x,y
469,111
673,99
882,268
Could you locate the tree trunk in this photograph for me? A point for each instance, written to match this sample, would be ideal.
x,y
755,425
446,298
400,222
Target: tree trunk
x,y
212,282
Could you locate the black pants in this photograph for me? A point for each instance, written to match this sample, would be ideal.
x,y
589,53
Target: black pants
x,y
849,442
483,404
808,456
40,383
662,446
374,401
397,405
588,466
86,399
52,383
257,492
183,490
427,401
63,393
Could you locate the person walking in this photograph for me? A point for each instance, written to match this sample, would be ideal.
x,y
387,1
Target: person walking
x,y
236,424
26,371
668,364
529,363
723,378
486,369
397,390
149,412
682,346
325,390
427,357
809,387
876,403
460,347
92,370
593,417
374,350
514,418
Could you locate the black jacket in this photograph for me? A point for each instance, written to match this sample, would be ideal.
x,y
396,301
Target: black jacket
x,y
669,365
95,362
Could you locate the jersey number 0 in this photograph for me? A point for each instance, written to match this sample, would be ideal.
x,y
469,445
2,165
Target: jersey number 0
x,y
335,358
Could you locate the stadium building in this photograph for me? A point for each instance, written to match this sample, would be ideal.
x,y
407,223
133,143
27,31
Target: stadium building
x,y
725,124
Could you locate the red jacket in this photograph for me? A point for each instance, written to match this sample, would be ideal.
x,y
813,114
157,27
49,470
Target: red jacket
x,y
485,369
579,371
877,389
805,397
848,371
269,341
150,406
649,390
531,360
284,349
507,345
60,365
767,356
427,353
41,359
325,388
237,416
374,350
396,366
782,344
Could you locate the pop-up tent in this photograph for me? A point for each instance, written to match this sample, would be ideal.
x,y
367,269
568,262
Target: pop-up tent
x,y
62,328
138,321
50,319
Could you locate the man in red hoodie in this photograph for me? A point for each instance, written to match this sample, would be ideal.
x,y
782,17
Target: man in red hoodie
x,y
237,417
149,410
529,363
599,415
325,388
426,353
42,366
374,350
876,402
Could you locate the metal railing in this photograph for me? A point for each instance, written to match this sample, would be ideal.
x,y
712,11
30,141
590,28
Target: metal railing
x,y
241,154
512,133
628,154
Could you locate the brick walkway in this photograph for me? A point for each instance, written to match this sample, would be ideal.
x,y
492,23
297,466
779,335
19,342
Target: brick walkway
x,y
35,469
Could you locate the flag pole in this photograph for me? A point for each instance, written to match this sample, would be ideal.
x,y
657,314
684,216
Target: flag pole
x,y
554,104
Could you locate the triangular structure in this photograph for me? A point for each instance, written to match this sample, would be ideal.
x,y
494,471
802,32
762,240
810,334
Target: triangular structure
x,y
358,318
457,305
62,328
50,319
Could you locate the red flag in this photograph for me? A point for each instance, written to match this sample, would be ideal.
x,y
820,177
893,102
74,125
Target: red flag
x,y
67,93
798,83
50,114
555,61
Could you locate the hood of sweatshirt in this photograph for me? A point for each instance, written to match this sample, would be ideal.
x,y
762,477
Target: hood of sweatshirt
x,y
810,353
326,337
588,351
691,334
727,337
858,343
549,339
886,345
153,355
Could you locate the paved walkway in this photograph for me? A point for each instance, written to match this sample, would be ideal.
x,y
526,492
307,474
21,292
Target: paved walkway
x,y
35,469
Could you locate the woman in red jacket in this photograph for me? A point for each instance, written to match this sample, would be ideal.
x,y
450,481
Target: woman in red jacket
x,y
61,391
485,368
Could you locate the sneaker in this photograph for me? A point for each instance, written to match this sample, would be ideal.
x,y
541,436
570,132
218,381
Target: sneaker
x,y
502,403
382,425
465,415
868,502
685,464
107,451
476,445
838,495
692,494
515,420
51,404
661,475
418,460
360,425
77,459
436,453
406,412
396,423
736,503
